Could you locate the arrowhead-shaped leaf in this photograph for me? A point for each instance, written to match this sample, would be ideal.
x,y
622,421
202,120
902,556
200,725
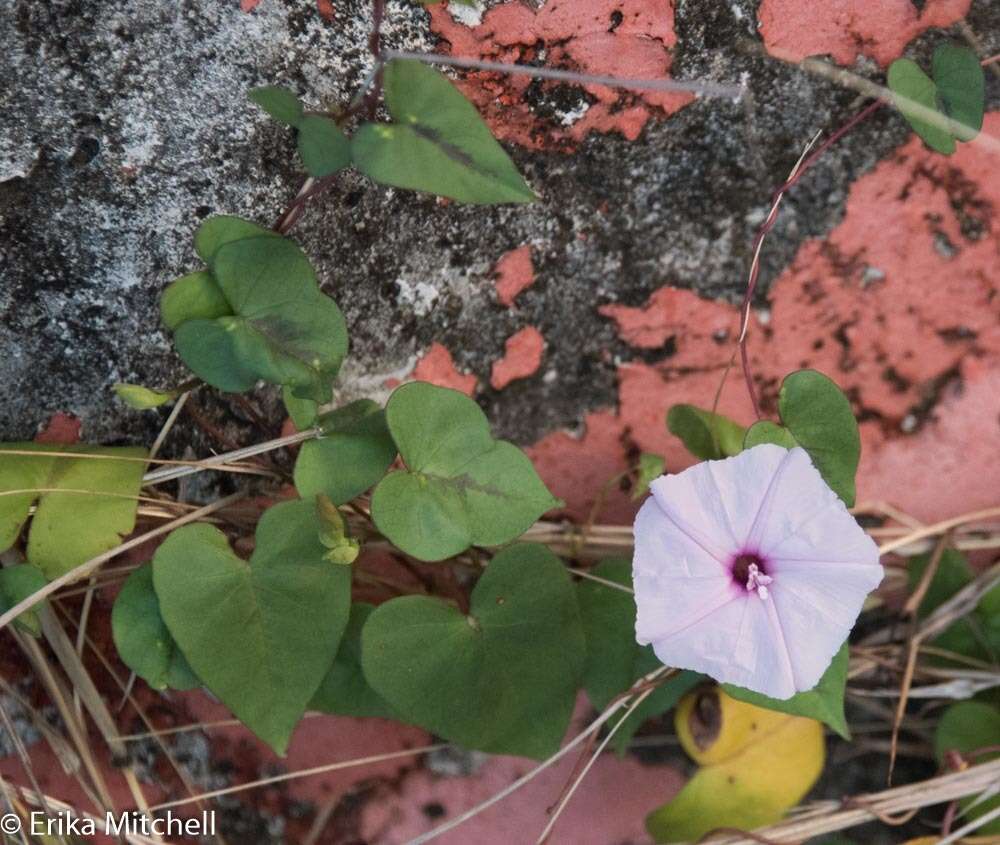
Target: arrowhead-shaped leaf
x,y
322,145
260,634
279,103
502,679
438,142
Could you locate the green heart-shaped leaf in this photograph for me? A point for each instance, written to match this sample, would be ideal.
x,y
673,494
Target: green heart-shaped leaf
x,y
323,147
16,584
825,702
85,506
615,661
818,415
279,103
967,727
502,679
438,142
224,229
907,79
961,86
303,412
260,634
461,487
706,435
354,453
344,690
282,328
195,296
765,431
142,639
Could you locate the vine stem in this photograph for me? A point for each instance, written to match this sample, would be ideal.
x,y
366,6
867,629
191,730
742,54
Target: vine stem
x,y
806,160
694,86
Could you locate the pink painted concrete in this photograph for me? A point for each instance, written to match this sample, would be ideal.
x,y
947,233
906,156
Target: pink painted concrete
x,y
847,29
523,352
576,34
609,807
438,367
514,273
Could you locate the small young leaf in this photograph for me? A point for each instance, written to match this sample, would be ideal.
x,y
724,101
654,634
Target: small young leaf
x,y
825,702
907,79
650,467
438,142
142,398
322,145
818,415
502,679
260,634
16,584
195,296
765,431
344,690
278,102
961,86
224,229
354,453
142,639
333,533
461,487
69,527
283,329
706,435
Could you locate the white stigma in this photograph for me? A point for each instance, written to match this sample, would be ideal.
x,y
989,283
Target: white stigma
x,y
757,580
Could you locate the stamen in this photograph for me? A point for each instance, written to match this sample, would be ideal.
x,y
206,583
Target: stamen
x,y
757,580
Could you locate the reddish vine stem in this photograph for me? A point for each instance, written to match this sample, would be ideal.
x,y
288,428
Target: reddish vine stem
x,y
766,227
369,103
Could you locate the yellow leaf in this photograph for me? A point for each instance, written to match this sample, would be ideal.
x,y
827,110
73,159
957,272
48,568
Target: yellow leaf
x,y
755,765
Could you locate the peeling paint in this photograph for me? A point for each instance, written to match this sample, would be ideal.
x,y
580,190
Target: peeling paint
x,y
522,357
627,38
847,29
438,367
514,273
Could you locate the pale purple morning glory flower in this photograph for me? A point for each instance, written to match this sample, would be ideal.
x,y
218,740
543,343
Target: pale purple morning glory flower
x,y
750,570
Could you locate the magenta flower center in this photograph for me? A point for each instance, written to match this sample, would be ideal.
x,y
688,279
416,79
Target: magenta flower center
x,y
750,572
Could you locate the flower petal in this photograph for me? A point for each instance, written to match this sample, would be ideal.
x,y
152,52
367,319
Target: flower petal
x,y
716,502
735,644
